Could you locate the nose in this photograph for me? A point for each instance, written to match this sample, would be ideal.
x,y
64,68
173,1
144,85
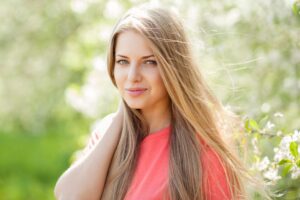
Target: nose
x,y
134,73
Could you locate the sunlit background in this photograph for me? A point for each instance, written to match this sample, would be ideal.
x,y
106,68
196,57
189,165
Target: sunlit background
x,y
54,85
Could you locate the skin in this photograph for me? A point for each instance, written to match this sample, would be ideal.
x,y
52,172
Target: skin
x,y
133,70
136,66
85,178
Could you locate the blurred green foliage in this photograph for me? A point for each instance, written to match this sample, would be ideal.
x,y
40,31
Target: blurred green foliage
x,y
54,85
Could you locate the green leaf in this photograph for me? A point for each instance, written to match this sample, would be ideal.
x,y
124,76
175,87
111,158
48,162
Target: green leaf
x,y
298,163
256,135
263,121
256,158
286,169
296,8
284,161
247,126
253,124
294,149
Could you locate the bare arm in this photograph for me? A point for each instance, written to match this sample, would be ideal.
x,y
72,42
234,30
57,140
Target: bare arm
x,y
85,179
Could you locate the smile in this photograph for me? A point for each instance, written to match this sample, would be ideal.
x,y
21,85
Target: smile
x,y
136,92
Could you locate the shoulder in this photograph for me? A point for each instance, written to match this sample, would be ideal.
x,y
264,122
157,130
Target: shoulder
x,y
210,159
98,130
101,125
215,178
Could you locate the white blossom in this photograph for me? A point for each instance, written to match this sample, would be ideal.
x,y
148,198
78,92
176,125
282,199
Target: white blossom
x,y
264,164
114,6
255,147
270,125
279,133
296,136
93,96
278,114
283,151
295,172
272,174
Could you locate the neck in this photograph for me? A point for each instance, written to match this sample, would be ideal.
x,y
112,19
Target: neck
x,y
157,118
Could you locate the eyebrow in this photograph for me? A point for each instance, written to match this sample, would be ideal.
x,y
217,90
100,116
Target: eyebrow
x,y
144,57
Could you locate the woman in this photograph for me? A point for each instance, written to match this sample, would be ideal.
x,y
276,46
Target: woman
x,y
166,139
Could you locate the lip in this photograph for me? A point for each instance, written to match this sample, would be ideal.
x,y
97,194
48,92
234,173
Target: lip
x,y
136,91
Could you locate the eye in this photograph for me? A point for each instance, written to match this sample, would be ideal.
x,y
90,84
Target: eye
x,y
122,62
151,62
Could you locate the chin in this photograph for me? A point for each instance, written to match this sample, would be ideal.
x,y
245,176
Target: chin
x,y
135,105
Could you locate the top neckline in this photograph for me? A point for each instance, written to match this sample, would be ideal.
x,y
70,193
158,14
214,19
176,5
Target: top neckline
x,y
158,133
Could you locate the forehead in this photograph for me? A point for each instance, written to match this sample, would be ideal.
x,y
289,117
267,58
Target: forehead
x,y
131,43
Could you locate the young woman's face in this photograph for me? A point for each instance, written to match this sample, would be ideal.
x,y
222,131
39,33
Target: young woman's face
x,y
136,72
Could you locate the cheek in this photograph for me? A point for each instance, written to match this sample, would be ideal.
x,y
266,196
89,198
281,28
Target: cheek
x,y
157,82
163,90
118,78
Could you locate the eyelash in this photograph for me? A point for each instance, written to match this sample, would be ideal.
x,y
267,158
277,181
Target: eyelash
x,y
119,62
153,62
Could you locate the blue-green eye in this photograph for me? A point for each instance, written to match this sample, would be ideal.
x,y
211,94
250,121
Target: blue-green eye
x,y
122,62
151,62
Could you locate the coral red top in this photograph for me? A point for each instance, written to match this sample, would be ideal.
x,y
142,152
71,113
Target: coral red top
x,y
151,176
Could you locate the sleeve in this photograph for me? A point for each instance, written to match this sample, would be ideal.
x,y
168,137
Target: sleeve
x,y
215,184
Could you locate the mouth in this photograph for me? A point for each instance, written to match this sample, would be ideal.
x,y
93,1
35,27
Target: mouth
x,y
136,91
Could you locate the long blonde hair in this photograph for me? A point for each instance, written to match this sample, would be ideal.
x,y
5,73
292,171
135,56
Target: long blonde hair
x,y
196,112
